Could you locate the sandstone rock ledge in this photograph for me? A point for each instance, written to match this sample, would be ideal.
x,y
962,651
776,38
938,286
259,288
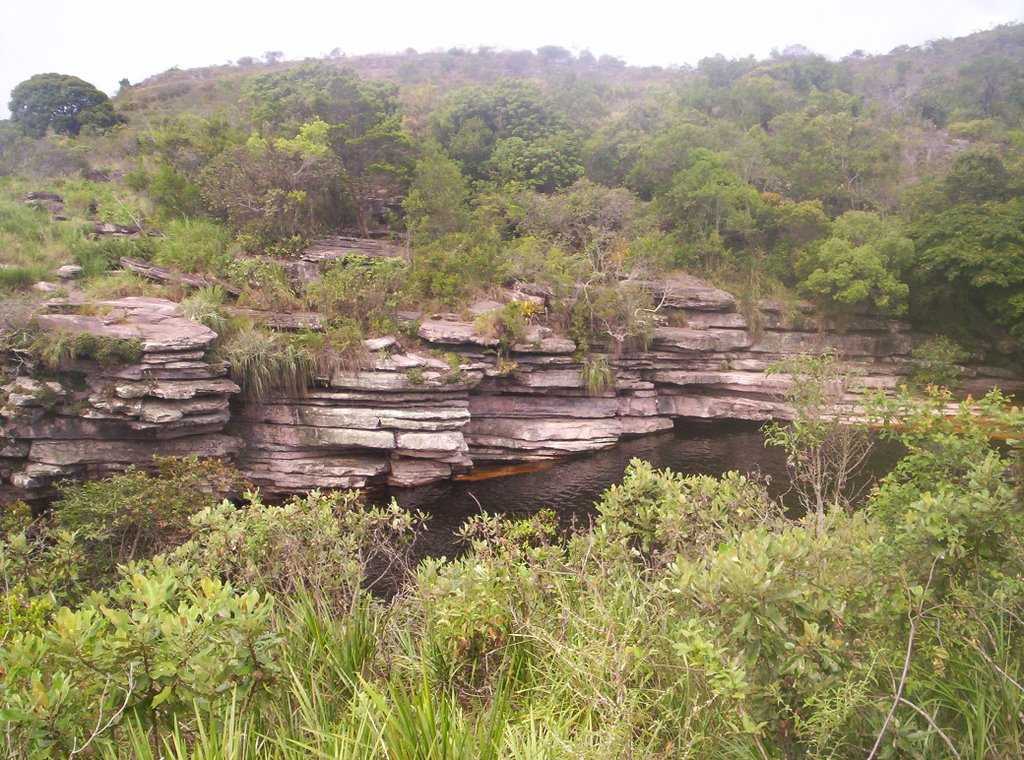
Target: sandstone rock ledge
x,y
97,420
418,413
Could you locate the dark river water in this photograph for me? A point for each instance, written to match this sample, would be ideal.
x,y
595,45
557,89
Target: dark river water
x,y
570,486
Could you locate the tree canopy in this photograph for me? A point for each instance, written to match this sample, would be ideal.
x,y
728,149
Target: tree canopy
x,y
62,103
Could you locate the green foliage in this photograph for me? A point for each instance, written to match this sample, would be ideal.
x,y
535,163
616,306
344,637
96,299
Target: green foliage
x,y
824,452
452,268
261,362
976,177
13,279
509,132
261,190
350,138
711,205
60,102
154,647
438,199
58,349
205,307
859,265
135,514
833,152
415,376
969,266
620,316
935,362
121,284
598,375
327,545
173,192
264,283
584,218
509,324
359,288
664,515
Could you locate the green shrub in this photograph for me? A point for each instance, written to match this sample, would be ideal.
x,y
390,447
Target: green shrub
x,y
204,306
935,362
156,647
264,283
121,284
340,346
194,244
359,288
134,514
328,545
13,279
618,316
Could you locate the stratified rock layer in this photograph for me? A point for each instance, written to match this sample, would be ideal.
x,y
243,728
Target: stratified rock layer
x,y
97,420
425,409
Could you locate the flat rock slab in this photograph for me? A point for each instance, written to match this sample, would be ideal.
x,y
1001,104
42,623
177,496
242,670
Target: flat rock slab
x,y
542,407
408,473
159,324
175,389
449,333
130,452
545,432
548,345
683,291
329,249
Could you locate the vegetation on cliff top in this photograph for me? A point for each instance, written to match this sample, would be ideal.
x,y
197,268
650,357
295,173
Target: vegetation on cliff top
x,y
886,182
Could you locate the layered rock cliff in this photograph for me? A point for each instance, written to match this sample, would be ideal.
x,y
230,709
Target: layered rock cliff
x,y
98,419
424,409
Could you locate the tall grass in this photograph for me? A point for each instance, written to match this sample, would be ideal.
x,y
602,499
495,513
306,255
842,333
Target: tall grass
x,y
262,362
598,375
19,278
205,306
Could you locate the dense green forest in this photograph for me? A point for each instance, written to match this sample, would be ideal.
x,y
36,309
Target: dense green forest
x,y
145,616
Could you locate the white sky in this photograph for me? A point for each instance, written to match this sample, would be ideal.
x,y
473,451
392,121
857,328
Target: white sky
x,y
103,41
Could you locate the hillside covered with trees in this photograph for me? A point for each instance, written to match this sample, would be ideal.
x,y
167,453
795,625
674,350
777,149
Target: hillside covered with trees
x,y
889,182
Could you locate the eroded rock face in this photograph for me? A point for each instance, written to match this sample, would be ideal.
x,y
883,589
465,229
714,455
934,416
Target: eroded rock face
x,y
93,420
423,411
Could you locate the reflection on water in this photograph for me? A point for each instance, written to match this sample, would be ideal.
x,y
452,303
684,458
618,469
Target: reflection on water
x,y
571,486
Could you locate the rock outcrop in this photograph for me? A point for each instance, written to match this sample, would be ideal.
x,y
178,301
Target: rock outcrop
x,y
100,419
426,408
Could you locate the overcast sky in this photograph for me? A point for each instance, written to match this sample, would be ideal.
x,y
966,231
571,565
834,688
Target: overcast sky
x,y
103,41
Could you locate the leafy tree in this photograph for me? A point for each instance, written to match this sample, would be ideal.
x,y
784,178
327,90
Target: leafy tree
x,y
546,163
60,102
859,265
361,130
977,176
281,101
711,206
823,451
585,217
993,83
969,267
841,157
510,132
438,199
276,192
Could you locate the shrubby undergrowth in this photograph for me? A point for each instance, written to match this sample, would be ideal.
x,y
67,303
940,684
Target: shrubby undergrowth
x,y
693,619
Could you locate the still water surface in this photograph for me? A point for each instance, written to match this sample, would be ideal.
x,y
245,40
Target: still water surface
x,y
571,486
